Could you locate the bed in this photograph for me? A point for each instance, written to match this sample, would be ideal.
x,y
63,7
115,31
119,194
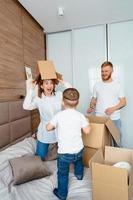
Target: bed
x,y
16,142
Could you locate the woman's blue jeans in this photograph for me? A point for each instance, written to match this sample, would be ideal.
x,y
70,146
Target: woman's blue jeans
x,y
41,149
63,163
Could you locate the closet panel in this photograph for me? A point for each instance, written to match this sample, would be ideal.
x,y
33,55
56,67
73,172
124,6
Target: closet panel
x,y
120,44
59,50
89,51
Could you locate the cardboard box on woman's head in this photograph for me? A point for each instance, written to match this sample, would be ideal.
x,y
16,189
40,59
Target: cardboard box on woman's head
x,y
47,70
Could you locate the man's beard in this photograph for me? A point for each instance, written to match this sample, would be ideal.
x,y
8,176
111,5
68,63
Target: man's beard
x,y
106,78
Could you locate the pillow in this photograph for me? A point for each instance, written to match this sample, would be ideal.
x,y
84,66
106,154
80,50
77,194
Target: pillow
x,y
52,152
28,168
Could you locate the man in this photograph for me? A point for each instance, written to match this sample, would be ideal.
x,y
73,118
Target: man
x,y
108,97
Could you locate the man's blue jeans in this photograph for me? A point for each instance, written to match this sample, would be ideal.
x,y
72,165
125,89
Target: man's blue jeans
x,y
63,163
41,149
118,125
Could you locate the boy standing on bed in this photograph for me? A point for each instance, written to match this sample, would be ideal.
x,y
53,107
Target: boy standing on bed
x,y
69,124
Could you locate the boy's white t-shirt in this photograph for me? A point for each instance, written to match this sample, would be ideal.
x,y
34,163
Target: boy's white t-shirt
x,y
107,95
69,136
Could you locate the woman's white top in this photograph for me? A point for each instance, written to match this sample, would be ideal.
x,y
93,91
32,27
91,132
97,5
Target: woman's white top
x,y
48,106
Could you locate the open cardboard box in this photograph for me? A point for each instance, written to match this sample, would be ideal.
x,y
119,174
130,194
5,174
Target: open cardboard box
x,y
109,182
102,131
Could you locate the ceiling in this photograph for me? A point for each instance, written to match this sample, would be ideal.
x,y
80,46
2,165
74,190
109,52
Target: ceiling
x,y
77,13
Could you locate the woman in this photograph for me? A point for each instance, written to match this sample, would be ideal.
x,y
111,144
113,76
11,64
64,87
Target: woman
x,y
48,102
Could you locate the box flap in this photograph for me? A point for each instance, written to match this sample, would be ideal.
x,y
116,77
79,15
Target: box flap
x,y
113,130
109,124
115,154
47,69
131,182
87,155
97,157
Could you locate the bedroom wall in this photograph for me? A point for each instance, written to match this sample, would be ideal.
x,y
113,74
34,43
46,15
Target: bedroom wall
x,y
22,42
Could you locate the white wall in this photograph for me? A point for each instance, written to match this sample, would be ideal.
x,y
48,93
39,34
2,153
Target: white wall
x,y
121,55
89,50
59,49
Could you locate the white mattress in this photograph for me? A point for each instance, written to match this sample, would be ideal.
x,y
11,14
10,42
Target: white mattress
x,y
40,189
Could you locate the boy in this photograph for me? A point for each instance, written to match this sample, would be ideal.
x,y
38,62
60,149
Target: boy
x,y
69,124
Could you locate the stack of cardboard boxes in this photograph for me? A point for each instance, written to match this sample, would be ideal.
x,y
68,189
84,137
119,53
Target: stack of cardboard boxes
x,y
102,131
108,181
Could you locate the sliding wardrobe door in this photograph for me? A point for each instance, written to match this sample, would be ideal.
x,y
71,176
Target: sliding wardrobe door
x,y
89,51
120,37
59,50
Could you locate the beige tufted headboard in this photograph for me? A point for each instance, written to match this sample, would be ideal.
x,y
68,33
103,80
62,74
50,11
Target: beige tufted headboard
x,y
15,123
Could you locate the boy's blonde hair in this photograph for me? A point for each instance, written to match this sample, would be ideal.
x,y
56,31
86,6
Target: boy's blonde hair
x,y
71,97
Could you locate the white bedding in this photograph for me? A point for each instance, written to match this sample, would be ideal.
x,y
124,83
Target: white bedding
x,y
40,189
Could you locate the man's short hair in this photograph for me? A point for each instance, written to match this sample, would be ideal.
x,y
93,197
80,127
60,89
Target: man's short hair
x,y
71,97
107,63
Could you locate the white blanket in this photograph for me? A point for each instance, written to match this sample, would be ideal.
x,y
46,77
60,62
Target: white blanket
x,y
40,189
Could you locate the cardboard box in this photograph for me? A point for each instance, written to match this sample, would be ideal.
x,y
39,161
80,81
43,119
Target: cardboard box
x,y
47,69
102,131
109,182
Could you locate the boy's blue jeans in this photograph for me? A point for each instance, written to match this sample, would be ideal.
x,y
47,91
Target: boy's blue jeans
x,y
63,163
